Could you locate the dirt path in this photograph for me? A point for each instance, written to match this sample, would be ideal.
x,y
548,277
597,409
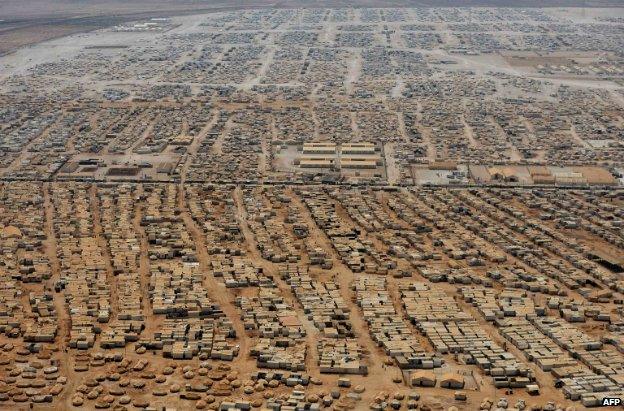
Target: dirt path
x,y
345,277
355,64
392,170
63,319
50,245
151,321
469,133
141,139
216,289
111,279
192,149
312,334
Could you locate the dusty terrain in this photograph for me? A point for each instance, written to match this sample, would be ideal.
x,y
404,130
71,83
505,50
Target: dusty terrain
x,y
319,208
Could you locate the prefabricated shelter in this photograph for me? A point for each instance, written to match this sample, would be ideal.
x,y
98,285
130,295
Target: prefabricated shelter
x,y
452,380
423,378
357,148
319,148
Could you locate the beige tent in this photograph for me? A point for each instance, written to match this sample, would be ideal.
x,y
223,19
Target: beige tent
x,y
423,378
452,380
